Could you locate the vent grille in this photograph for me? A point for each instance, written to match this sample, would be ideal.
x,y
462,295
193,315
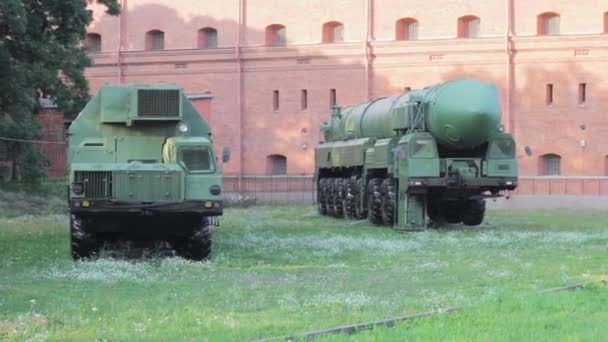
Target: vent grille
x,y
147,185
158,103
97,184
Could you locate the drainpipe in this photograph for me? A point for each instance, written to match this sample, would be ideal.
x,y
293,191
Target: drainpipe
x,y
240,89
368,48
509,66
121,40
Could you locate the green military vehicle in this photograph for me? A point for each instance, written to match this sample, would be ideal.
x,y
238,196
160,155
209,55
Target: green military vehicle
x,y
424,156
142,167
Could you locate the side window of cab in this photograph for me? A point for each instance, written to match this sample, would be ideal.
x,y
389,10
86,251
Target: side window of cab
x,y
422,149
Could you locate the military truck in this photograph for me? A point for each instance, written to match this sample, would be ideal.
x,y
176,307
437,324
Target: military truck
x,y
422,157
142,167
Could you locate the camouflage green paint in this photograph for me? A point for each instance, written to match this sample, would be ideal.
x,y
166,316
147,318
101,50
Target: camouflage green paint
x,y
442,133
141,147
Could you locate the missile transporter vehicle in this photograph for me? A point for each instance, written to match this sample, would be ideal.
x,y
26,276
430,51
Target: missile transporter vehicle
x,y
415,159
142,167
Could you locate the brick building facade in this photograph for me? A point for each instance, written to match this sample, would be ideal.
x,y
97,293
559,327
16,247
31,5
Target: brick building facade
x,y
53,135
274,67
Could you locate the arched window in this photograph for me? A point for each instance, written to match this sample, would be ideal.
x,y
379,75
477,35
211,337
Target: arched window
x,y
276,164
207,38
550,165
93,42
548,24
406,29
276,35
333,32
606,22
155,40
468,26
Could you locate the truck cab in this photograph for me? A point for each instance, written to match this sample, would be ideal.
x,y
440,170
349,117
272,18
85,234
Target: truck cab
x,y
142,167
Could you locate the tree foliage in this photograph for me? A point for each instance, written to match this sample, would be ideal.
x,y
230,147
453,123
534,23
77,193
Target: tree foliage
x,y
41,55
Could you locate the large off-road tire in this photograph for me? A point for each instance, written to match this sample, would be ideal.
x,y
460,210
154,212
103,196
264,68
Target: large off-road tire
x,y
82,242
374,201
329,196
389,201
198,245
433,211
452,212
361,211
351,200
338,197
322,196
474,212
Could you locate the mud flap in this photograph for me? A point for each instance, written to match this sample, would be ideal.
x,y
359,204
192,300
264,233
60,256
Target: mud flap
x,y
411,212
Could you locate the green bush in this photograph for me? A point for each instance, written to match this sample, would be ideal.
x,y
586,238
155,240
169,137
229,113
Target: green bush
x,y
18,200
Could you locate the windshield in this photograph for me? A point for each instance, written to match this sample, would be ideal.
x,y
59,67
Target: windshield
x,y
502,149
196,158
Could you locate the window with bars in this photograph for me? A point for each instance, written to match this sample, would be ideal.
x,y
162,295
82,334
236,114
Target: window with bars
x,y
333,32
93,42
407,29
469,26
551,165
155,40
207,38
276,164
548,24
276,35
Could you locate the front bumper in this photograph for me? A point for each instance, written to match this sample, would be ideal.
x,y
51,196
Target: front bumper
x,y
483,183
86,205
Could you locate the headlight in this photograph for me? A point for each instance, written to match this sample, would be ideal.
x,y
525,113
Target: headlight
x,y
183,127
78,188
215,190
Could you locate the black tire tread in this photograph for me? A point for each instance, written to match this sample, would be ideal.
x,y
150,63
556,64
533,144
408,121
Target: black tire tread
x,y
82,243
474,212
452,212
198,244
361,211
322,196
389,198
374,201
329,198
351,200
338,197
433,211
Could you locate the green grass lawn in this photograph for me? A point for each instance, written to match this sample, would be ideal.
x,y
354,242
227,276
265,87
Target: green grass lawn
x,y
285,270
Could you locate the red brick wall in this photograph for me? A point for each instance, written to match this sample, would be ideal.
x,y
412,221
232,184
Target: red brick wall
x,y
578,55
54,146
203,106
